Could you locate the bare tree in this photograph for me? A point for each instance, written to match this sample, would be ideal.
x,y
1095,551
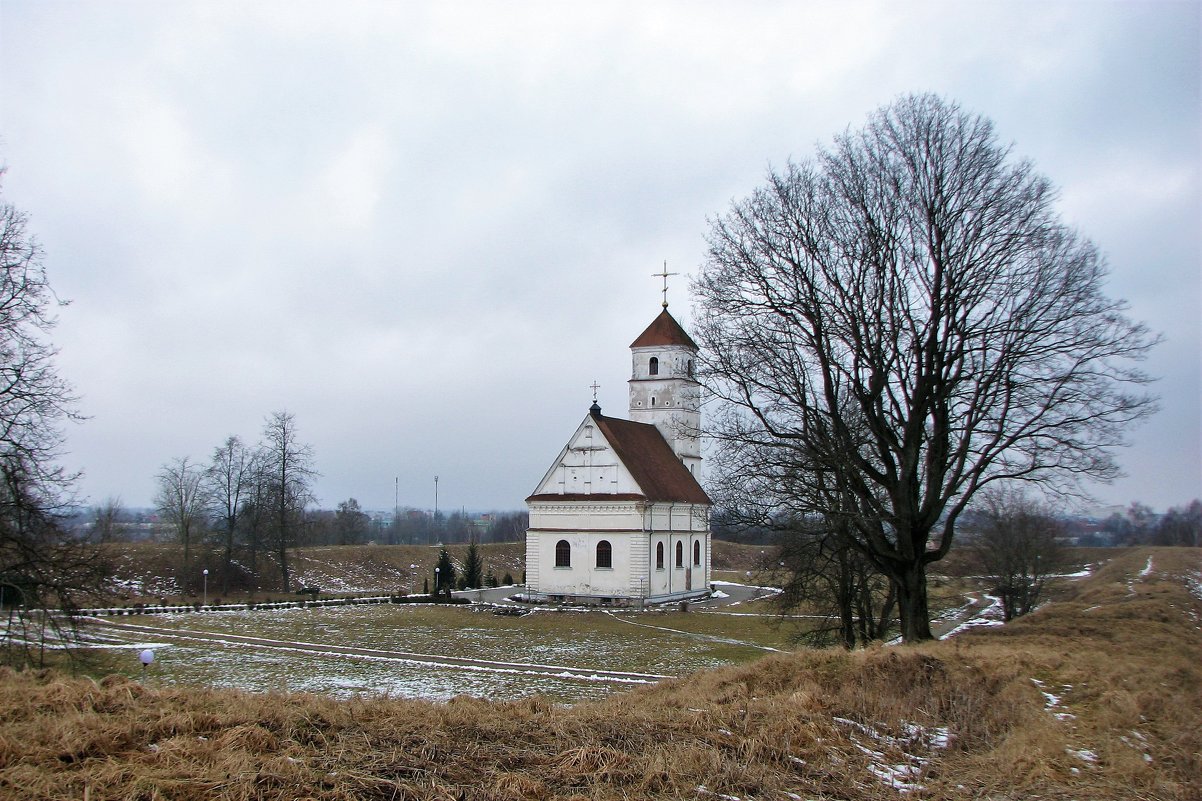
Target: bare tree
x,y
181,499
288,474
228,483
1017,548
1180,526
42,565
350,523
109,520
34,400
905,320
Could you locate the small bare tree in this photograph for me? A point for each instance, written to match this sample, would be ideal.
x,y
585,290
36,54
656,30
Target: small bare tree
x,y
181,500
1017,547
288,474
350,522
109,520
228,484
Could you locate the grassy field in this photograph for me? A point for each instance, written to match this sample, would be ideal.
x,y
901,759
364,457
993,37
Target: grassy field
x,y
413,648
1095,696
418,639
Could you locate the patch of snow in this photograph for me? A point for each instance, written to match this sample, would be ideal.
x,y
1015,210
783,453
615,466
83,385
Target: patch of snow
x,y
703,790
903,776
1083,754
1147,571
1194,583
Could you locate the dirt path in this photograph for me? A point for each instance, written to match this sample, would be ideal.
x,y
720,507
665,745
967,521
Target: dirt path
x,y
325,649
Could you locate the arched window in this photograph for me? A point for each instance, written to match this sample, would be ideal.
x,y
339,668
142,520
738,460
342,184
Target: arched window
x,y
659,556
697,552
653,366
680,554
605,554
563,554
690,368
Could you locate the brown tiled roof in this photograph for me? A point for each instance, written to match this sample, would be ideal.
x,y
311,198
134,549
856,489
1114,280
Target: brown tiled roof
x,y
664,330
651,461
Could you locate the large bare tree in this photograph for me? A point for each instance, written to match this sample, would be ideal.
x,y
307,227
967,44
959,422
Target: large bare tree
x,y
902,321
42,565
288,473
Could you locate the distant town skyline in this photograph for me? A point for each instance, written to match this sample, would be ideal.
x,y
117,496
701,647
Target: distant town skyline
x,y
426,229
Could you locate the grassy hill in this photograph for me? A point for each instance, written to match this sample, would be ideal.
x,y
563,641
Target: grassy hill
x,y
1095,696
147,571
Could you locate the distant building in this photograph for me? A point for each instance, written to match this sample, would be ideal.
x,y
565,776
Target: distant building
x,y
620,516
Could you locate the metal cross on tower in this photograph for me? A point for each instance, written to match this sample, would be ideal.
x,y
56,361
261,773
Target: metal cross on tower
x,y
665,275
595,386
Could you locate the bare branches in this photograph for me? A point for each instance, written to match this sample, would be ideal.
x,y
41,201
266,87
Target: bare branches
x,y
908,318
34,399
182,500
1016,547
42,566
288,471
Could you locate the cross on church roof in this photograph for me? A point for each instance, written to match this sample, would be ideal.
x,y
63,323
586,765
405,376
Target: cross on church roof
x,y
665,275
595,386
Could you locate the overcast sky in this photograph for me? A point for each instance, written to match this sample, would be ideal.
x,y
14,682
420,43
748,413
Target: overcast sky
x,y
426,228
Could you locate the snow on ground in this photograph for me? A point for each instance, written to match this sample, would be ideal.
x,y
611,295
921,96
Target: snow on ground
x,y
1052,702
1147,571
893,761
767,592
1194,583
991,615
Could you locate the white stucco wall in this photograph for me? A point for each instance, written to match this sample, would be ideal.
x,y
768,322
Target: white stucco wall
x,y
633,530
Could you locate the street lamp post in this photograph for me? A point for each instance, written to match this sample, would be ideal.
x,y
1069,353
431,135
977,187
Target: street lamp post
x,y
437,586
206,590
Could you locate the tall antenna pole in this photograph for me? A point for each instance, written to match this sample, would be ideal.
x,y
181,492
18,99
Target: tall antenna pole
x,y
435,497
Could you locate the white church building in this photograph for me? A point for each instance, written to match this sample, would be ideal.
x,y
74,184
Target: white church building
x,y
620,516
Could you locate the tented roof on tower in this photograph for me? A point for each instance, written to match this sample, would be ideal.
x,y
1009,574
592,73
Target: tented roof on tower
x,y
664,330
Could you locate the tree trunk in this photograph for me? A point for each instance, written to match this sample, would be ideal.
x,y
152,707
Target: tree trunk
x,y
886,617
284,564
229,560
912,604
847,623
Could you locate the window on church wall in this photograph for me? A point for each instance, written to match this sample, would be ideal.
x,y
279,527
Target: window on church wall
x,y
696,553
659,556
563,554
680,554
689,367
653,366
605,554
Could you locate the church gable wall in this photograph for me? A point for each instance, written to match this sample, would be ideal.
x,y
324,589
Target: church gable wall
x,y
588,466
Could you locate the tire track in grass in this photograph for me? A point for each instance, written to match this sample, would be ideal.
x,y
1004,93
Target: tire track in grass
x,y
696,636
410,657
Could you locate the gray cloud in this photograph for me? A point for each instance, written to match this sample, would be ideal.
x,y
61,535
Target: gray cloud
x,y
426,228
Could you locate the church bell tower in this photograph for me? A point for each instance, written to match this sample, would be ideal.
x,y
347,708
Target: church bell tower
x,y
663,390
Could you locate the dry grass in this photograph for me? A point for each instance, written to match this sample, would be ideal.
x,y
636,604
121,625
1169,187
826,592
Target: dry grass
x,y
1122,654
